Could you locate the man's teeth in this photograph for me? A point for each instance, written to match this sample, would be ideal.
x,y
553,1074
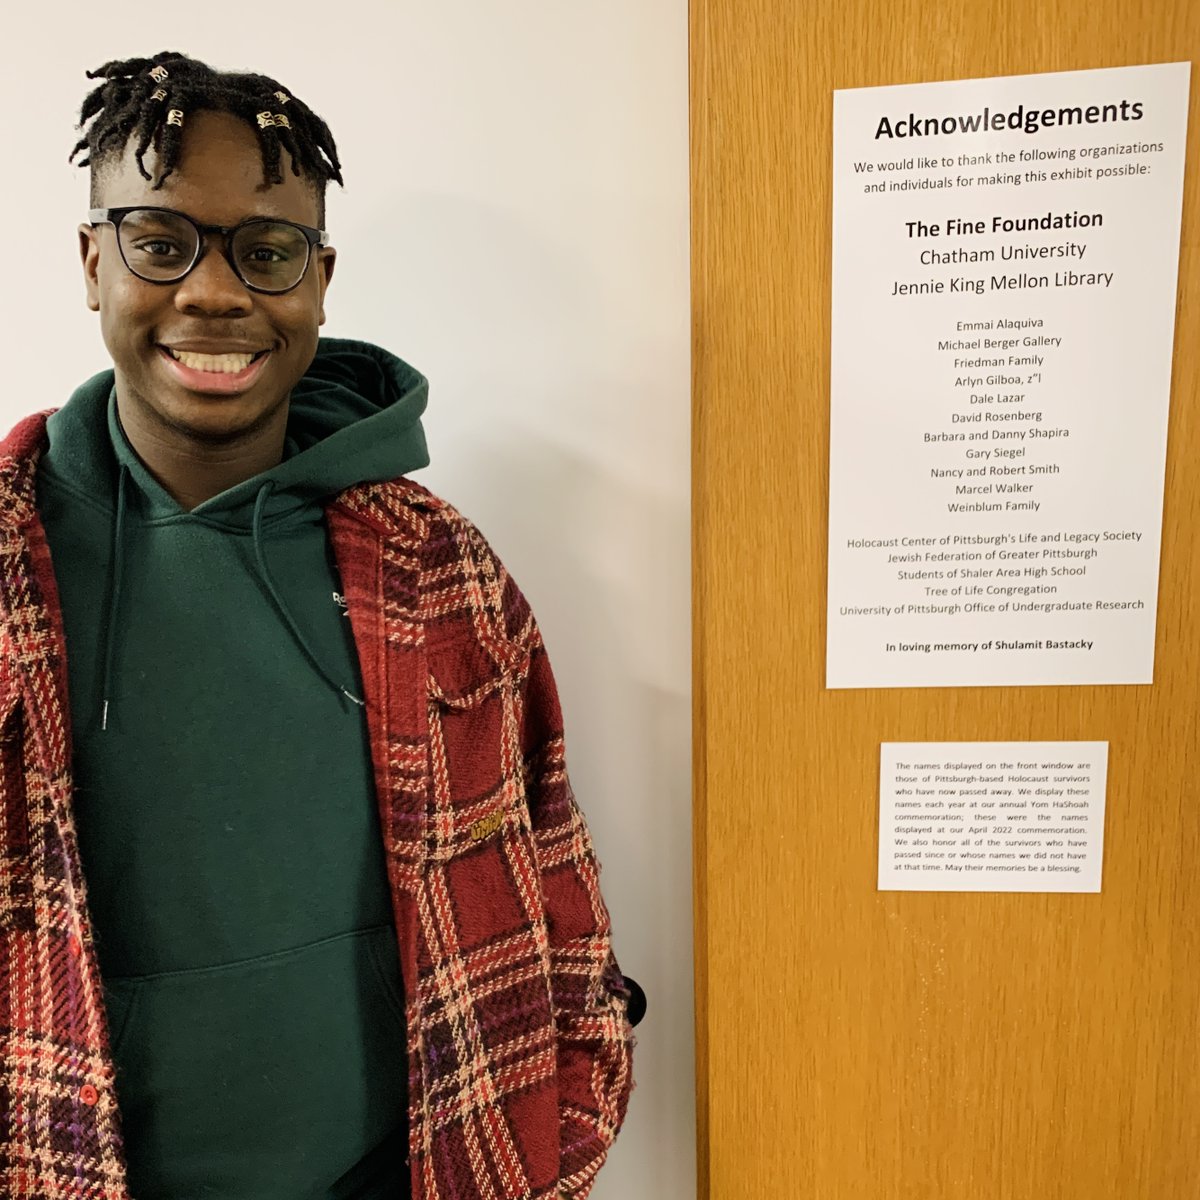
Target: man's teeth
x,y
223,364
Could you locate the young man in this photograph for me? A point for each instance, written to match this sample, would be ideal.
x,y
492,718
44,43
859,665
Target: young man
x,y
295,899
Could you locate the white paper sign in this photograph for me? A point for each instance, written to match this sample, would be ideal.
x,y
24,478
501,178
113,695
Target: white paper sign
x,y
1005,257
991,816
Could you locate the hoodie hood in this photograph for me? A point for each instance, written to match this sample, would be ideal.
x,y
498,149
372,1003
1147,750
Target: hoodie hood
x,y
353,418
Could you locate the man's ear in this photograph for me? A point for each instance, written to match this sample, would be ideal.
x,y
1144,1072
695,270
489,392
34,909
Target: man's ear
x,y
89,253
326,259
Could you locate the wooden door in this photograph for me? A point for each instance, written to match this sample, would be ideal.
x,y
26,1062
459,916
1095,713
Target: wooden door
x,y
857,1045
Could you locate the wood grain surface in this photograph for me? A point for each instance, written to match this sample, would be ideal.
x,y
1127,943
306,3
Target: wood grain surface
x,y
854,1045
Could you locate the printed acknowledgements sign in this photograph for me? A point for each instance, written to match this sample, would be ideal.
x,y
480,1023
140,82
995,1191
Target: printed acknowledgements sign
x,y
1005,259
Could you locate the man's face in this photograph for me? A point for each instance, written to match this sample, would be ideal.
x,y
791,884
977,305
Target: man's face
x,y
217,181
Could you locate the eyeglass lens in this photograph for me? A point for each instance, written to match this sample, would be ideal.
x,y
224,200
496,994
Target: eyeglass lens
x,y
160,247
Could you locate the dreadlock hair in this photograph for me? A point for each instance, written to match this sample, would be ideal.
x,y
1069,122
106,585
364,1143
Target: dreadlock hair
x,y
134,102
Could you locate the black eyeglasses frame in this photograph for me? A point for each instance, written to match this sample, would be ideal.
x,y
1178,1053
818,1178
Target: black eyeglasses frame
x,y
114,217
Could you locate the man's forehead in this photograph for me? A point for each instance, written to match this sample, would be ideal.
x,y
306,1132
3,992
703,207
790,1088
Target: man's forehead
x,y
213,208
218,177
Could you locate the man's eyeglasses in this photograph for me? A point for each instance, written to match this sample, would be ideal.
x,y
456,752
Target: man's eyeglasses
x,y
161,245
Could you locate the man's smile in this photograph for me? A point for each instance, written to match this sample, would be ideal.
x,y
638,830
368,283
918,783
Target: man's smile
x,y
221,374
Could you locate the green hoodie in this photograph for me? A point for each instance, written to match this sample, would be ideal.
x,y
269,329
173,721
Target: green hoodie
x,y
225,801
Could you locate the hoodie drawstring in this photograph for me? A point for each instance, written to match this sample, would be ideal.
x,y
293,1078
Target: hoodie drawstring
x,y
260,556
114,601
114,594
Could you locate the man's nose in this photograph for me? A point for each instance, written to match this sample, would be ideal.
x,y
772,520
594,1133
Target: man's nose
x,y
212,284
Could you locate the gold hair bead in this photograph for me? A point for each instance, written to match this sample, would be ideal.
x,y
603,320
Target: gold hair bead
x,y
265,120
281,119
158,74
175,116
158,94
282,97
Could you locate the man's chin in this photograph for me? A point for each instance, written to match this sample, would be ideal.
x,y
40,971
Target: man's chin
x,y
214,420
222,426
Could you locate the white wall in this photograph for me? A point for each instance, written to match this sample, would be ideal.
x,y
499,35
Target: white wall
x,y
530,162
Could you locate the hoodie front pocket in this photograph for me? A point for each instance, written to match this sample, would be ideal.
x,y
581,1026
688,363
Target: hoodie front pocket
x,y
385,957
120,1003
219,1067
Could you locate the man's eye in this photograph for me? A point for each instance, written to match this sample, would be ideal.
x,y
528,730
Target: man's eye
x,y
280,255
150,247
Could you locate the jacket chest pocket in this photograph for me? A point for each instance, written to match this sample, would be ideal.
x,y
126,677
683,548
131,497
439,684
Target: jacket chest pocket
x,y
478,793
479,831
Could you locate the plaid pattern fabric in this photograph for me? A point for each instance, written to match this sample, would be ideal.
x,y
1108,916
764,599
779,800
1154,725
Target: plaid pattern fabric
x,y
519,1047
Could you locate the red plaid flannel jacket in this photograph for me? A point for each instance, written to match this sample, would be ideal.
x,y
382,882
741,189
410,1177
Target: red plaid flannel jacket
x,y
519,1046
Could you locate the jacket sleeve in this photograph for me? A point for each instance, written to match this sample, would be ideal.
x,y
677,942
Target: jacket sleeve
x,y
590,996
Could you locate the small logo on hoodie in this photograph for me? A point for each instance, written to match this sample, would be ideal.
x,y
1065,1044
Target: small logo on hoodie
x,y
340,601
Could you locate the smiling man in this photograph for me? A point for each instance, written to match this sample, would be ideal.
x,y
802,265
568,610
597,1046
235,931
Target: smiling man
x,y
295,899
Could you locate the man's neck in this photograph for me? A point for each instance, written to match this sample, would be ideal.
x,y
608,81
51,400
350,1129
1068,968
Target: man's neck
x,y
192,471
